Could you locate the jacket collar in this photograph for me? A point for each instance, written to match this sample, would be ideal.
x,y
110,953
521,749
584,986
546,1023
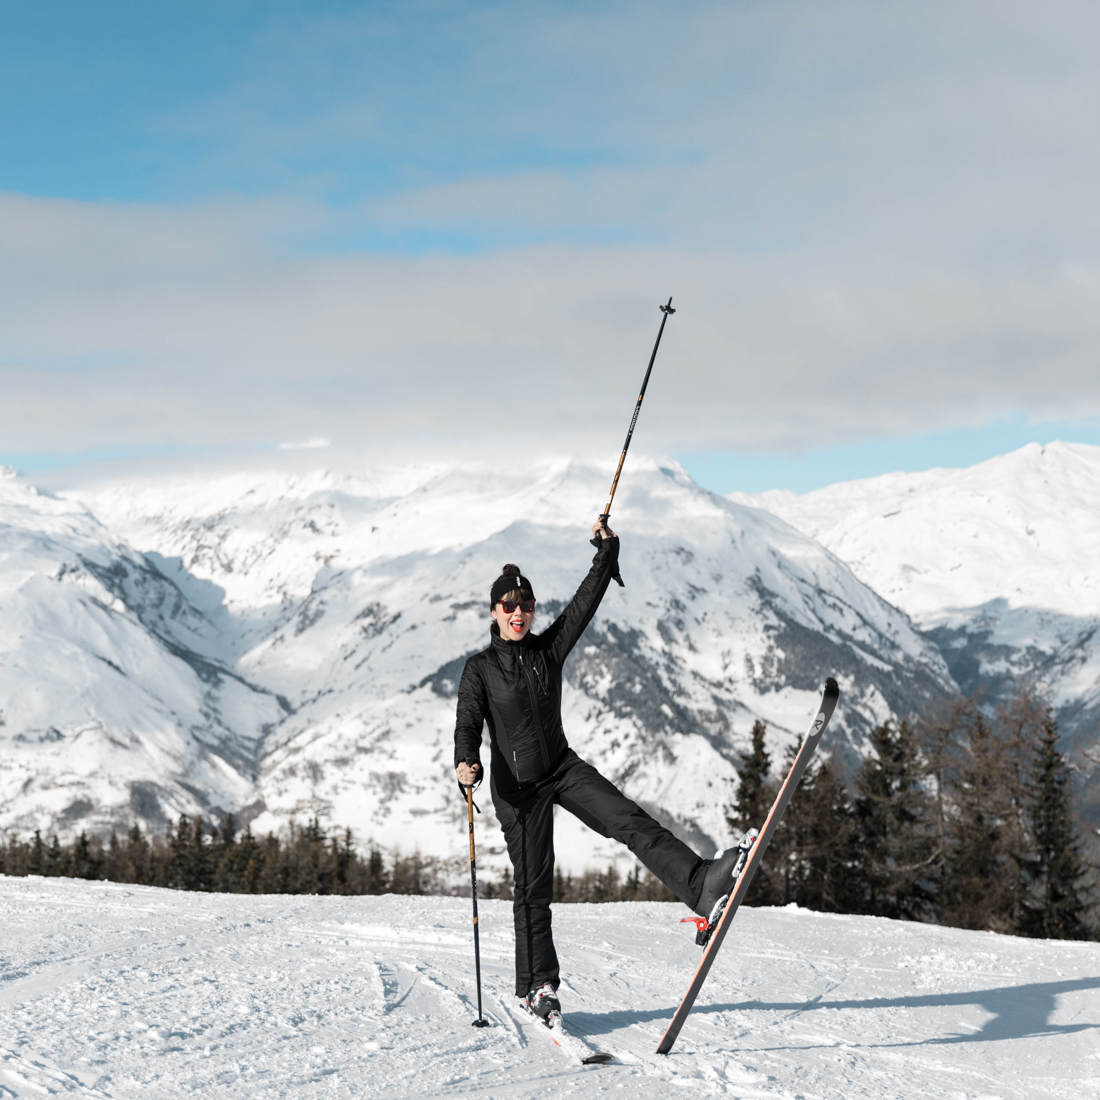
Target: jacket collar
x,y
508,650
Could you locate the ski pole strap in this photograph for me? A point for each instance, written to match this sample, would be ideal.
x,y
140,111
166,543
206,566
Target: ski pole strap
x,y
595,540
468,795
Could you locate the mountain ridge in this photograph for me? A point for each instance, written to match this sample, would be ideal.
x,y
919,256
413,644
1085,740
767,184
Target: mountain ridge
x,y
283,646
330,614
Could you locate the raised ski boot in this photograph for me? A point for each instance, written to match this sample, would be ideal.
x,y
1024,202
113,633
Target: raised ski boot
x,y
724,871
543,1002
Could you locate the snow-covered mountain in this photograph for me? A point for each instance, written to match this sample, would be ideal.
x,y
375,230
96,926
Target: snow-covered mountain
x,y
111,705
998,563
292,644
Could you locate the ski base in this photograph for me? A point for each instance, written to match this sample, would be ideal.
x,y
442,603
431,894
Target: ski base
x,y
713,934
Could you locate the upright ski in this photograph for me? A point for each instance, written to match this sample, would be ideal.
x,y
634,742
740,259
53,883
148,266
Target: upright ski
x,y
829,696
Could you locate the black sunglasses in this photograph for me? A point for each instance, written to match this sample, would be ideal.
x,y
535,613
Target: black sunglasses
x,y
524,605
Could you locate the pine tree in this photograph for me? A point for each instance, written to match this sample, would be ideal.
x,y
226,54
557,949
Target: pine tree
x,y
55,862
1058,907
137,861
754,791
1019,725
344,859
179,849
941,737
977,890
225,858
377,881
36,865
86,858
270,879
755,794
895,832
781,865
825,862
250,859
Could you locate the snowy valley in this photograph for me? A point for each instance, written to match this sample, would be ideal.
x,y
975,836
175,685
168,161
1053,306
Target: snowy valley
x,y
281,646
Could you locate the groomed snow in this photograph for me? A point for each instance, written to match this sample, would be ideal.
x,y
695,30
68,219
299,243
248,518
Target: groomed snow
x,y
121,991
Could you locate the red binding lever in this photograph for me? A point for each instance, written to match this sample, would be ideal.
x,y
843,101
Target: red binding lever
x,y
699,922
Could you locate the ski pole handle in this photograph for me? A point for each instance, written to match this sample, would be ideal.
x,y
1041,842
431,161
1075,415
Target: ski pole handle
x,y
595,540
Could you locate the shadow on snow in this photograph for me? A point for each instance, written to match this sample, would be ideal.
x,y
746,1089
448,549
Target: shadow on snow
x,y
1017,1011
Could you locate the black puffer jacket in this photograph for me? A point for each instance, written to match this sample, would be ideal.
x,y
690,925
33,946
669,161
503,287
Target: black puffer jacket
x,y
516,688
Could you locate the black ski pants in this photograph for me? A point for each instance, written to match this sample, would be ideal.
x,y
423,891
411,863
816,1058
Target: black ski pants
x,y
528,824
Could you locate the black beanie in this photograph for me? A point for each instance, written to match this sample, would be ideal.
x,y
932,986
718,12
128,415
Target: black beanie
x,y
509,580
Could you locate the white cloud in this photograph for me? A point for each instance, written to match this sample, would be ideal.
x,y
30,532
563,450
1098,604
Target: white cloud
x,y
256,345
306,445
874,219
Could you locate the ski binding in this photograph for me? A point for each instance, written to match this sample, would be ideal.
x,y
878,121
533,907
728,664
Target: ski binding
x,y
705,926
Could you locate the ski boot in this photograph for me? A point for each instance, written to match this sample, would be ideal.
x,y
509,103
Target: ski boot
x,y
543,1003
722,874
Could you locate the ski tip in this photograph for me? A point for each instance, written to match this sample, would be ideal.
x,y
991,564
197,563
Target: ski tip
x,y
830,693
600,1059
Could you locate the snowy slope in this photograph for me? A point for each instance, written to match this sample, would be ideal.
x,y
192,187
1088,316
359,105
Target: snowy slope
x,y
121,992
998,562
356,599
104,715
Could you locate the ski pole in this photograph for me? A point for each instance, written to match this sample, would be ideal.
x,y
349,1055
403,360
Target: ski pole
x,y
667,310
480,1021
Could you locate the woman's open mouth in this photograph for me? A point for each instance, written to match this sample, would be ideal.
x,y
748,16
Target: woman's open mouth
x,y
517,625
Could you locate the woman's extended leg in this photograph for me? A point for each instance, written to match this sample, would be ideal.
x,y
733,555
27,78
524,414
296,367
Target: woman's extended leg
x,y
586,794
529,832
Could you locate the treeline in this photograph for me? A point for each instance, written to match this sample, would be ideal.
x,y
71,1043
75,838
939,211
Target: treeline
x,y
196,855
199,855
960,818
609,885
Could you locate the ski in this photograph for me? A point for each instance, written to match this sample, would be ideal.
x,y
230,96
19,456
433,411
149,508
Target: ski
x,y
575,1047
714,935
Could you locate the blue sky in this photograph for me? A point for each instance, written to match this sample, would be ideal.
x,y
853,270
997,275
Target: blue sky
x,y
230,226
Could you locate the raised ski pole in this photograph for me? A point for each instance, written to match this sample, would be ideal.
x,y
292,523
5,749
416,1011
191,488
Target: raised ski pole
x,y
480,1021
829,696
667,310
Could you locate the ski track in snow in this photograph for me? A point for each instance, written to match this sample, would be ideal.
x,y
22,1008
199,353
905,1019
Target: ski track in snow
x,y
122,991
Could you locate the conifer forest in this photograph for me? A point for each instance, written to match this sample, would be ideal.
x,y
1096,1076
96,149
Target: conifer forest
x,y
963,816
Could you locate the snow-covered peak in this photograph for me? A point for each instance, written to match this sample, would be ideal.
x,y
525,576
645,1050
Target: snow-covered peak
x,y
1023,528
997,563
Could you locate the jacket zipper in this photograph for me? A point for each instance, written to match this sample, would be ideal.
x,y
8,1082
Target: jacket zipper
x,y
528,677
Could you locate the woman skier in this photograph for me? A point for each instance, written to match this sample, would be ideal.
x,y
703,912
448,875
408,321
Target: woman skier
x,y
515,687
